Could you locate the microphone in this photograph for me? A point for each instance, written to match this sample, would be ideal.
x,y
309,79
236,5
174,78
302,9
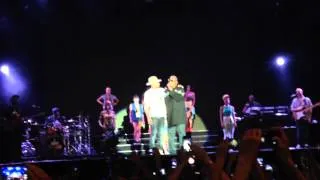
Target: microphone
x,y
293,95
35,106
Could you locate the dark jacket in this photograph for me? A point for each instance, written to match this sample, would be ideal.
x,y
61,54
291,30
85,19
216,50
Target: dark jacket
x,y
176,113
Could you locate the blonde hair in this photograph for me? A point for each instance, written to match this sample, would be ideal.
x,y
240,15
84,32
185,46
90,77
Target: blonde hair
x,y
225,96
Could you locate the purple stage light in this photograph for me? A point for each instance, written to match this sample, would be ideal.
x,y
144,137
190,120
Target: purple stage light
x,y
12,81
280,61
5,69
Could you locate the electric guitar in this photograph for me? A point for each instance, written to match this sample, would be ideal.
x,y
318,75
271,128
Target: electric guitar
x,y
305,112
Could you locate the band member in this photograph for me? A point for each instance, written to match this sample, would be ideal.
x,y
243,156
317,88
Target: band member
x,y
108,138
190,116
55,120
156,113
13,129
302,116
108,100
136,115
190,95
54,125
107,120
227,118
252,106
176,113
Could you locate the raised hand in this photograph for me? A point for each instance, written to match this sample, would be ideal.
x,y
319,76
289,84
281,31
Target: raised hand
x,y
247,153
201,154
282,150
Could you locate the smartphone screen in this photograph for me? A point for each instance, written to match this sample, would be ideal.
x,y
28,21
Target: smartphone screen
x,y
14,172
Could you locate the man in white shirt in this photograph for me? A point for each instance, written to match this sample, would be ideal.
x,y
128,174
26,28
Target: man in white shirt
x,y
302,116
155,109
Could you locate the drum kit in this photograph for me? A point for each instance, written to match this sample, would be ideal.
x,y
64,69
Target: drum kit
x,y
73,139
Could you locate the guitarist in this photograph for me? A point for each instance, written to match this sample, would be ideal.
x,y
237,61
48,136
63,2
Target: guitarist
x,y
302,114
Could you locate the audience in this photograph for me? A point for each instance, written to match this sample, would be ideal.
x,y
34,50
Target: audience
x,y
220,168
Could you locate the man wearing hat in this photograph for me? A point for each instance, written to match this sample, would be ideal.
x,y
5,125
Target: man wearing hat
x,y
155,110
176,112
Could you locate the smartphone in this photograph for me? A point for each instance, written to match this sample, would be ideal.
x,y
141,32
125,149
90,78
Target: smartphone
x,y
268,137
14,172
191,160
174,163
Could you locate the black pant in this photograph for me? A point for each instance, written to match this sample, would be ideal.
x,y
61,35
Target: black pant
x,y
302,129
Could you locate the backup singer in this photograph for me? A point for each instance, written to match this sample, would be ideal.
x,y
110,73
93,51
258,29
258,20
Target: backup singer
x,y
190,95
136,115
190,116
301,117
227,118
190,100
108,138
108,100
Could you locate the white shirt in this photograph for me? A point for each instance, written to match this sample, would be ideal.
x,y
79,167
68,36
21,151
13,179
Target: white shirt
x,y
154,99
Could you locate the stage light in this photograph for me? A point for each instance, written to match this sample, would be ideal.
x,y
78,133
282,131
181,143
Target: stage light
x,y
12,82
280,61
5,69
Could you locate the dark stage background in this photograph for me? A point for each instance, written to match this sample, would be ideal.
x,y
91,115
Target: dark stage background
x,y
71,50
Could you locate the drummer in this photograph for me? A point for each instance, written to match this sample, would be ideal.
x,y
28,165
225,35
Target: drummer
x,y
55,120
54,126
251,107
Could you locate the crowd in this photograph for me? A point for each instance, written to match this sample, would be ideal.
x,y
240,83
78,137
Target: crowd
x,y
246,164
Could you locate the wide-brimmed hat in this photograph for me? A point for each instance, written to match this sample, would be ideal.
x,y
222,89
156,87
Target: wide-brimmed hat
x,y
153,79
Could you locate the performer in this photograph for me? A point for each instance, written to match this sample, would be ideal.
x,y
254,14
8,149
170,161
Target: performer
x,y
302,116
227,118
251,107
54,126
136,115
55,120
190,116
190,99
107,123
156,113
176,112
13,130
190,95
108,100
